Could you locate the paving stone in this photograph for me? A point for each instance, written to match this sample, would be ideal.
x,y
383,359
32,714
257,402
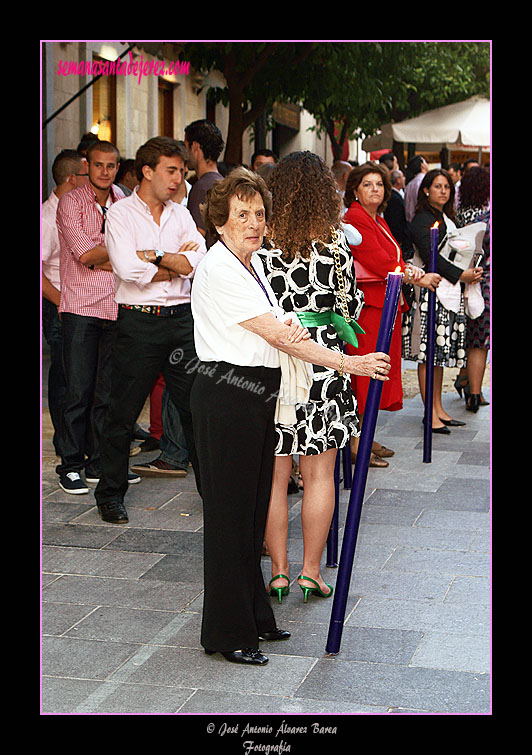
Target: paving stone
x,y
205,701
87,659
122,605
421,615
194,669
421,689
97,563
458,652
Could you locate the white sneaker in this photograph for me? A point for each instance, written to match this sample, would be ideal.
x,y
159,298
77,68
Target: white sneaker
x,y
72,483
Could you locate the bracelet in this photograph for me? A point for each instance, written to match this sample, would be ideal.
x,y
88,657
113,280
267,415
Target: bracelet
x,y
146,256
341,370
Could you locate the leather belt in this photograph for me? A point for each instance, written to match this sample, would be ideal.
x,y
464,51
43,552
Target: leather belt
x,y
154,309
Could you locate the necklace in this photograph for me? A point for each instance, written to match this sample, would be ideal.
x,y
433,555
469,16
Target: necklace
x,y
251,271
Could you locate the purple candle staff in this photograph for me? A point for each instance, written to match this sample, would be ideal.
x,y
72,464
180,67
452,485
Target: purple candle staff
x,y
429,350
332,538
384,338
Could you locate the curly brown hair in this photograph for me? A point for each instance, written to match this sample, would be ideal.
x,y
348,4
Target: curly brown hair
x,y
306,205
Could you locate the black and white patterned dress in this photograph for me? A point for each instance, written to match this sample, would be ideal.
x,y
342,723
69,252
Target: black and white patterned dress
x,y
330,417
450,338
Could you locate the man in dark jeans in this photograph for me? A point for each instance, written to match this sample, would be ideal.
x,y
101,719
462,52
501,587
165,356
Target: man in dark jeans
x,y
154,248
69,171
88,315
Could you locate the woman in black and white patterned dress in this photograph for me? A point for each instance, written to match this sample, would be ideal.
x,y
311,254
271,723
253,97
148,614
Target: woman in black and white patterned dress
x,y
300,267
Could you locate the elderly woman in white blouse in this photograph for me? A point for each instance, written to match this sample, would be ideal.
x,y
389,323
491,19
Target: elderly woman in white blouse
x,y
241,338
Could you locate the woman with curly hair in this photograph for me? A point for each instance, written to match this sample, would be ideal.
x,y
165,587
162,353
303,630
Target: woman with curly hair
x,y
307,253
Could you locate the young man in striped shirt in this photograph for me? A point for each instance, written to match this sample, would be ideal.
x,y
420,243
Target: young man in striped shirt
x,y
88,315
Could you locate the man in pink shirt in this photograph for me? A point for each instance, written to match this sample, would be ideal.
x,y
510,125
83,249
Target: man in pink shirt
x,y
154,248
88,315
69,171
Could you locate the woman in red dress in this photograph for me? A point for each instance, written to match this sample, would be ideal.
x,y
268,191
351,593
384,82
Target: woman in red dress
x,y
367,192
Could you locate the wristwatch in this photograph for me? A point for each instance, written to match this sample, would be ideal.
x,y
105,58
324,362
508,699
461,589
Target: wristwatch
x,y
159,254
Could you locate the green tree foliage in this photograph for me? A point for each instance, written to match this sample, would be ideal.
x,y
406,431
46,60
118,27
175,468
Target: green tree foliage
x,y
349,87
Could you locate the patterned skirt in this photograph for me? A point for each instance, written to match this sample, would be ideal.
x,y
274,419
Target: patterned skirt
x,y
330,417
478,330
451,327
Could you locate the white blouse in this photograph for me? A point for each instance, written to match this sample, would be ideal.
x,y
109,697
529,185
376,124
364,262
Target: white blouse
x,y
224,294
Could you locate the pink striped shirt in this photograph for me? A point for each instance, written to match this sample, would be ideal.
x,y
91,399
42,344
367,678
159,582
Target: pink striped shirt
x,y
86,292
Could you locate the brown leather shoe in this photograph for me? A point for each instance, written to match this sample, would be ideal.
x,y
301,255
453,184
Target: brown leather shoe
x,y
374,461
382,451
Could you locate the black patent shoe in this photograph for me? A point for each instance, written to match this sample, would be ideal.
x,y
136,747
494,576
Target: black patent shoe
x,y
453,422
113,512
251,656
275,634
441,430
473,402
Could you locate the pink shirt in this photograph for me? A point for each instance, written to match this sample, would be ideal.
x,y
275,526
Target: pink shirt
x,y
50,248
129,228
79,222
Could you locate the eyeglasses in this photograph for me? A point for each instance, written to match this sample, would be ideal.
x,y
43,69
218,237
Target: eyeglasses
x,y
84,175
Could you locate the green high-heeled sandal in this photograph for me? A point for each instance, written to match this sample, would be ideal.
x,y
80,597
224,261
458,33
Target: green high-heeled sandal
x,y
314,590
279,590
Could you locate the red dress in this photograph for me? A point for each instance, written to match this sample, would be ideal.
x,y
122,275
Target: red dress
x,y
380,253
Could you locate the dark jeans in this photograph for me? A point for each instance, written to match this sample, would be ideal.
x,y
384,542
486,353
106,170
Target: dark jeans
x,y
53,334
173,443
87,347
146,345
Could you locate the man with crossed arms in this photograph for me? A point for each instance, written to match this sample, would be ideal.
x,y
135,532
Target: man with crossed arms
x,y
154,248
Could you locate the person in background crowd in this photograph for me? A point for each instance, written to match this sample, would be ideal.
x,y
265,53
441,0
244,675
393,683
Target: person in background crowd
x,y
389,160
436,204
415,170
475,207
394,214
88,315
340,170
471,163
204,144
455,171
262,157
126,178
367,192
69,171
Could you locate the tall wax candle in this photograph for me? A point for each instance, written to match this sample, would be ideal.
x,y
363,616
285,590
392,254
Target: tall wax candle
x,y
384,339
429,348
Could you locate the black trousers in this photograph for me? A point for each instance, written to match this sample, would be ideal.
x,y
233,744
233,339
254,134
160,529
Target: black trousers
x,y
233,411
88,344
145,346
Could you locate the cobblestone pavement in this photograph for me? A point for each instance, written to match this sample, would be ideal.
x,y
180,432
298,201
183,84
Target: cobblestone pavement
x,y
121,605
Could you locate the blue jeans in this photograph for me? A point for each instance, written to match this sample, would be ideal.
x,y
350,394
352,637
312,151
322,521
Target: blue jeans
x,y
173,444
87,346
